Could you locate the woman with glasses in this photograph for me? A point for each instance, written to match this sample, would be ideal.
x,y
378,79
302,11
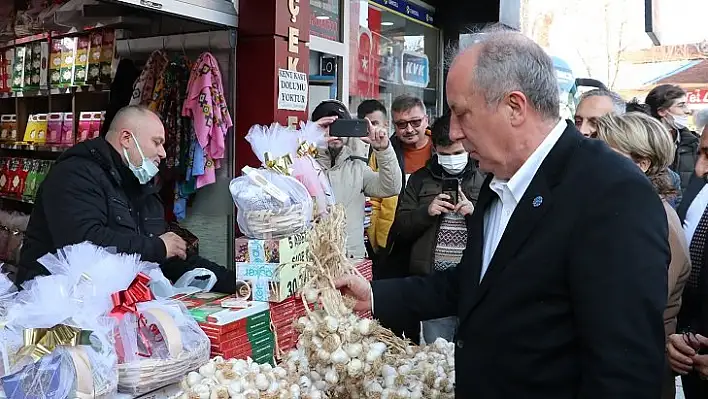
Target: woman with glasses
x,y
648,144
668,104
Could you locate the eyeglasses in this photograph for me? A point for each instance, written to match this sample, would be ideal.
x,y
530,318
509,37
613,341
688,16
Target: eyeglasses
x,y
415,123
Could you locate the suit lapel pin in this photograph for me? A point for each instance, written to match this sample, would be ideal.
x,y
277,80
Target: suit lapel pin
x,y
537,201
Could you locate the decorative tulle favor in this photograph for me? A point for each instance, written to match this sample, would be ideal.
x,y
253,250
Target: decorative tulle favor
x,y
271,202
55,345
308,171
7,293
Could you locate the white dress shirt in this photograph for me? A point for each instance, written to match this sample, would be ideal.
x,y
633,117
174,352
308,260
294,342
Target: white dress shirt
x,y
694,213
510,193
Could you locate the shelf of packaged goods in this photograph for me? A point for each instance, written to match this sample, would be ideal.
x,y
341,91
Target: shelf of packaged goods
x,y
32,147
9,197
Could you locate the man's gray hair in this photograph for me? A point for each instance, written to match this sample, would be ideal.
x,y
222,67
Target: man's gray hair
x,y
700,118
509,61
619,107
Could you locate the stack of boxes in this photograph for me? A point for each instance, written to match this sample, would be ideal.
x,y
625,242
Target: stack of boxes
x,y
29,66
82,60
274,271
236,328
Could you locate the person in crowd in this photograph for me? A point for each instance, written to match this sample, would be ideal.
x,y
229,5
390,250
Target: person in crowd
x,y
413,149
431,223
700,119
594,104
688,349
635,106
647,143
667,103
103,191
562,286
351,177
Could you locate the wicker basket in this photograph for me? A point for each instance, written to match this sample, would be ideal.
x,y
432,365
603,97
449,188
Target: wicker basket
x,y
276,223
150,374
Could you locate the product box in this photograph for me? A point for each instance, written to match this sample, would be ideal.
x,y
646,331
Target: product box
x,y
68,61
272,282
30,129
108,45
94,66
3,73
82,60
9,58
84,127
4,178
55,63
286,250
54,123
41,137
6,126
28,66
67,129
14,179
36,66
30,167
95,130
18,69
44,65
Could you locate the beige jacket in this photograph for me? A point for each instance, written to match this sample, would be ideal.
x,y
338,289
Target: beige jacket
x,y
679,269
352,180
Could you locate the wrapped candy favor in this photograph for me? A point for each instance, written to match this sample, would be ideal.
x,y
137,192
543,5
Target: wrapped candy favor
x,y
271,202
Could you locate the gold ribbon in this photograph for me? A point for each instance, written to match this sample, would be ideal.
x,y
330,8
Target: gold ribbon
x,y
306,148
38,342
280,165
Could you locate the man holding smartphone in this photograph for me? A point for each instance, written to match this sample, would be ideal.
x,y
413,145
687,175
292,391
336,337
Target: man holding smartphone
x,y
430,219
349,174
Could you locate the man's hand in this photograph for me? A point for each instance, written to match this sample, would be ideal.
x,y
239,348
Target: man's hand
x,y
378,137
174,245
464,206
326,121
681,354
440,205
357,288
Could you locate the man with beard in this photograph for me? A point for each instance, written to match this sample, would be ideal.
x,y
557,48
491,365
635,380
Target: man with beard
x,y
350,176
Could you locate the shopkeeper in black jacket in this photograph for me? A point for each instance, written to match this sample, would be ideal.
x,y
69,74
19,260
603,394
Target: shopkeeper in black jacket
x,y
102,191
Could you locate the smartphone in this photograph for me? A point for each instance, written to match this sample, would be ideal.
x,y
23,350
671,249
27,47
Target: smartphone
x,y
349,128
449,188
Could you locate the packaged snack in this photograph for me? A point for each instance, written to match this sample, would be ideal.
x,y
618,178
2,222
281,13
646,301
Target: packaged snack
x,y
107,56
28,66
41,125
95,129
5,127
84,126
68,61
31,129
82,60
54,122
94,68
67,130
18,69
55,63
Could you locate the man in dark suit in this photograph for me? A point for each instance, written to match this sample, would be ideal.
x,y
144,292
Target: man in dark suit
x,y
563,283
688,349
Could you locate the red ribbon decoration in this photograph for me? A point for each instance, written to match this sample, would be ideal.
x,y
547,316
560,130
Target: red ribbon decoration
x,y
126,301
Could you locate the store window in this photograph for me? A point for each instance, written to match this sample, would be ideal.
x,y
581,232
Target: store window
x,y
393,51
325,19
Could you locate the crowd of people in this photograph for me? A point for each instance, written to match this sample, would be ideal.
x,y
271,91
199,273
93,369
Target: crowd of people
x,y
564,258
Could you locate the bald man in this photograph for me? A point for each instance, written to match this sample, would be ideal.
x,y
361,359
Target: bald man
x,y
102,191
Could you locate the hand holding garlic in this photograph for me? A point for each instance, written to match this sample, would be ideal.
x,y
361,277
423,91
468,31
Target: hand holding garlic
x,y
358,288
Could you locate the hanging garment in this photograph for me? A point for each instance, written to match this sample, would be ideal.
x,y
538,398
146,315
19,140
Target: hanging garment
x,y
145,85
206,105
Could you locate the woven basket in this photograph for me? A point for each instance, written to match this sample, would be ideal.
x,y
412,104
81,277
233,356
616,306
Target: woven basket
x,y
281,223
150,374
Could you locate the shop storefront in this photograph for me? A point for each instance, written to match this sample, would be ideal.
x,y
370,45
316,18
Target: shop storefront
x,y
66,65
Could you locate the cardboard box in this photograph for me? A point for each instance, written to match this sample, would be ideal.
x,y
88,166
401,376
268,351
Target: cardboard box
x,y
30,129
9,58
3,72
68,61
41,137
94,68
36,66
7,126
108,45
95,130
286,250
28,66
44,66
13,128
82,60
272,282
67,129
18,68
54,123
55,63
84,127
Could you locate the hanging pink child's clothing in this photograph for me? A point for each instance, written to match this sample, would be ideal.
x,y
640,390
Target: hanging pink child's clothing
x,y
206,105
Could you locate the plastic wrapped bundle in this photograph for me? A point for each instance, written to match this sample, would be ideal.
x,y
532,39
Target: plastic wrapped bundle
x,y
56,346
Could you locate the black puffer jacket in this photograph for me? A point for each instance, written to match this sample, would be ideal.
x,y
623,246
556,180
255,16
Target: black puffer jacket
x,y
90,195
686,155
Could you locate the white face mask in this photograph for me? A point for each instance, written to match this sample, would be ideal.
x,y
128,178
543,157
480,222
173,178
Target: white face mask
x,y
147,169
453,164
679,121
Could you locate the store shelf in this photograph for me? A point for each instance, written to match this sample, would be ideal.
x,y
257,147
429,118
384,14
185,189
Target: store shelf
x,y
18,199
98,88
32,147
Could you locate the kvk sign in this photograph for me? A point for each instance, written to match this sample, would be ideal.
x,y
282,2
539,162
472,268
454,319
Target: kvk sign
x,y
416,69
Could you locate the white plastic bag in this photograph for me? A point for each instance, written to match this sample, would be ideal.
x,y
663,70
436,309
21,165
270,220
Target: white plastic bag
x,y
197,280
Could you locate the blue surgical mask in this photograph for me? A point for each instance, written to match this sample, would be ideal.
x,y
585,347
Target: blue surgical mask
x,y
146,171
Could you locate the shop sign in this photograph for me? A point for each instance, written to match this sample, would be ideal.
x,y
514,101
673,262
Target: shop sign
x,y
324,19
698,96
411,10
416,69
292,90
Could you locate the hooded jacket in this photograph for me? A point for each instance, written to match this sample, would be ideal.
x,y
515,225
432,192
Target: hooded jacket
x,y
91,195
352,180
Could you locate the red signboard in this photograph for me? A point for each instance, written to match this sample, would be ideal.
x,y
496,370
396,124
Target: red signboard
x,y
698,96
